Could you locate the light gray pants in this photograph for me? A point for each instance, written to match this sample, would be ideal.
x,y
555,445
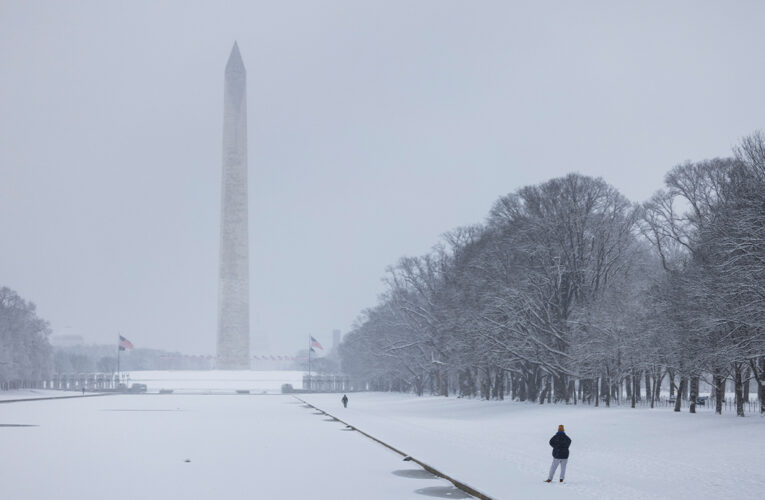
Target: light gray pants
x,y
562,462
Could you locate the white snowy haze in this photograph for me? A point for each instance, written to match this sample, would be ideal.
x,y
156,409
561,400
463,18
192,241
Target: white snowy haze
x,y
374,127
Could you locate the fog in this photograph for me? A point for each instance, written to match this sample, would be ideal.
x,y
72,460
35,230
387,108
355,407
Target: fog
x,y
374,128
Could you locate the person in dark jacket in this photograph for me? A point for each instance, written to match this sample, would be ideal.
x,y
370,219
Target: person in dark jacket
x,y
560,443
345,401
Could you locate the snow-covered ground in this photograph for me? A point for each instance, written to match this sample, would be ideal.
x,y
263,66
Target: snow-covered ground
x,y
238,447
218,381
271,446
501,448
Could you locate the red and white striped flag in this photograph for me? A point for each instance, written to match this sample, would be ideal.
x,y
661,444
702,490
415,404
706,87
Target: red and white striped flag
x,y
125,343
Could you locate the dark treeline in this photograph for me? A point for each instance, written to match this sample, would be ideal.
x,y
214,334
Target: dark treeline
x,y
570,292
25,353
103,359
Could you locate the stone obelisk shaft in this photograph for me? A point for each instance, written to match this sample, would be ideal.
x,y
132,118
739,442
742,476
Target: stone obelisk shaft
x,y
234,273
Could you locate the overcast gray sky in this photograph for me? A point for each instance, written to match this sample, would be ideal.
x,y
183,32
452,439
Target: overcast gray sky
x,y
374,127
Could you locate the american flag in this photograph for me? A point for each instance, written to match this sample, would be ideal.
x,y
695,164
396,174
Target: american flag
x,y
315,343
125,343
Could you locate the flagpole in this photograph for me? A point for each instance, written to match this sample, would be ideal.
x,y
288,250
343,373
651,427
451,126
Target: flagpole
x,y
309,363
118,361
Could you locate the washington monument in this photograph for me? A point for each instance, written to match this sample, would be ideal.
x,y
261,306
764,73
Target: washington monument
x,y
234,273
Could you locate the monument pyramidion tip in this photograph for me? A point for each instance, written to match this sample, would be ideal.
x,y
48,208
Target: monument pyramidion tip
x,y
235,64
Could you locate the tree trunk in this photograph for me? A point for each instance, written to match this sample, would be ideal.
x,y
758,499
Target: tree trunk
x,y
694,393
522,393
671,378
758,369
739,389
561,387
546,391
636,385
531,382
747,378
678,399
499,385
657,384
484,383
633,395
648,391
719,382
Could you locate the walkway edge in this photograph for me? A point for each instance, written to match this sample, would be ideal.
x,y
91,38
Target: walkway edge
x,y
55,397
457,483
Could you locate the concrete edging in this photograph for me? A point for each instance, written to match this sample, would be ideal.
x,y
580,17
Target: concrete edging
x,y
53,397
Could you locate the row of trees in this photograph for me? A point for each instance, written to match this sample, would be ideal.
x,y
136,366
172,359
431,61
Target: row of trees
x,y
103,359
25,353
569,291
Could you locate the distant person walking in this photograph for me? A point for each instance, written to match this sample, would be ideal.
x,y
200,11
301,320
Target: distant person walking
x,y
560,443
83,390
345,401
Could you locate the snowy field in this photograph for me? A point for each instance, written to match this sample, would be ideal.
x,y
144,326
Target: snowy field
x,y
500,448
272,446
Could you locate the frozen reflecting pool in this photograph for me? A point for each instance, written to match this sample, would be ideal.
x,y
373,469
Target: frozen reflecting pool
x,y
190,447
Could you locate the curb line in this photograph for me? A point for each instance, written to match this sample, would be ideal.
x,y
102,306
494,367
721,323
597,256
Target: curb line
x,y
458,484
52,397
